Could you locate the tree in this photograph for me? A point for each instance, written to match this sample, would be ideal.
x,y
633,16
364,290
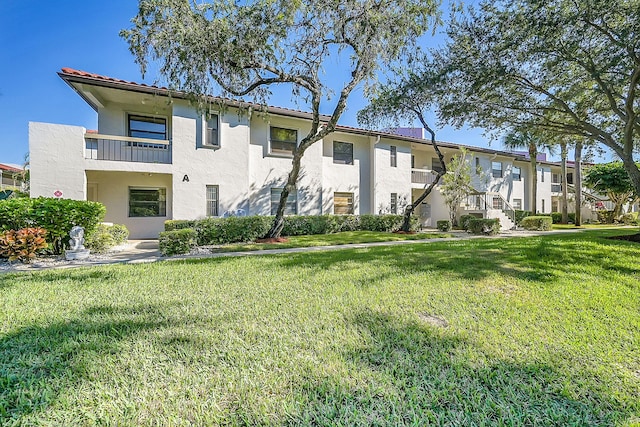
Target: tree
x,y
456,183
564,153
563,66
534,143
407,98
245,48
612,180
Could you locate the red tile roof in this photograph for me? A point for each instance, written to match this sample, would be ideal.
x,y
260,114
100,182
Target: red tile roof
x,y
9,168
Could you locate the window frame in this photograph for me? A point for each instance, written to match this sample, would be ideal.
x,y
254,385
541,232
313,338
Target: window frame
x,y
393,156
350,205
282,152
494,170
393,205
518,176
211,202
161,204
500,203
290,204
208,130
339,161
517,206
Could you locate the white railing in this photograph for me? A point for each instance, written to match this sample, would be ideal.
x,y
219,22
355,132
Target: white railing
x,y
422,176
126,149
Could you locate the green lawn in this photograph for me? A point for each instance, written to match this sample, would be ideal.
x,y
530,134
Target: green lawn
x,y
343,238
586,226
522,331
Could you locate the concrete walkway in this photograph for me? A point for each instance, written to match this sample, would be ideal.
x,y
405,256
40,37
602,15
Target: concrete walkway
x,y
142,251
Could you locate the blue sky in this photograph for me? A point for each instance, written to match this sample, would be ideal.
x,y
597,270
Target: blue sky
x,y
37,39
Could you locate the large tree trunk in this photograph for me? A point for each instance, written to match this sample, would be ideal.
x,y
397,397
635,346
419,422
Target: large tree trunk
x,y
533,159
565,208
577,182
406,222
292,179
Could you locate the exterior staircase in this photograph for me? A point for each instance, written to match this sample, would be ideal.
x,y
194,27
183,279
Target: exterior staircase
x,y
481,203
506,223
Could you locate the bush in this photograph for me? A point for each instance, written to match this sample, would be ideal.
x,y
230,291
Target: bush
x,y
298,225
520,215
57,216
630,219
488,226
178,224
176,242
212,231
22,244
557,217
540,223
104,237
443,225
605,217
464,221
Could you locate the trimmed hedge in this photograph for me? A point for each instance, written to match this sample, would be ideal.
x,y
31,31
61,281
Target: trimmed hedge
x,y
176,242
557,217
488,226
464,221
443,225
539,223
520,215
57,216
217,231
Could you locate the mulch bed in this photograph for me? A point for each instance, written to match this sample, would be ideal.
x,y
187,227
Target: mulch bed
x,y
629,238
405,232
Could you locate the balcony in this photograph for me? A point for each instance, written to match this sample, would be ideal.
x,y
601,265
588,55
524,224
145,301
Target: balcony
x,y
126,149
422,176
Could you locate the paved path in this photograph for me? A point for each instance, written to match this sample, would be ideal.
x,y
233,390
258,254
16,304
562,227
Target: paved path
x,y
142,251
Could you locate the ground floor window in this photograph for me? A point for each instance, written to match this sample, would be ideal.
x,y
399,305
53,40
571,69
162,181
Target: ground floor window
x,y
212,200
517,204
497,203
291,207
147,202
394,203
343,203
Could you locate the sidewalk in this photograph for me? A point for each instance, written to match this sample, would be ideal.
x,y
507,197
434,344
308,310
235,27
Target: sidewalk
x,y
142,251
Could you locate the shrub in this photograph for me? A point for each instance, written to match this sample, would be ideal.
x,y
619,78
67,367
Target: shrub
x,y
464,221
630,218
540,223
557,217
176,242
488,226
385,223
104,237
57,216
605,217
298,225
211,231
22,244
177,224
443,225
520,215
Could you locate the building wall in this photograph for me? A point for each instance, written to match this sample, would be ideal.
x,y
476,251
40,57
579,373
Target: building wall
x,y
388,179
56,155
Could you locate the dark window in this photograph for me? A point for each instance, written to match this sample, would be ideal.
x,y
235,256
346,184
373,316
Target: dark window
x,y
291,206
570,178
496,169
394,156
212,138
496,203
283,141
147,202
517,204
517,173
478,168
342,153
147,127
413,161
343,203
436,165
542,176
212,200
394,203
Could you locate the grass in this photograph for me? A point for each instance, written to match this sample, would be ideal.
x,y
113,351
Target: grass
x,y
522,331
586,226
343,238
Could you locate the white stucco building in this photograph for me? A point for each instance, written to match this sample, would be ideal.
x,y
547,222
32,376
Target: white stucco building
x,y
155,157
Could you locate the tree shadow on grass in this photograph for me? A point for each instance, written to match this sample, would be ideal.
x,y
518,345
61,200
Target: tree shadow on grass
x,y
409,373
542,259
38,362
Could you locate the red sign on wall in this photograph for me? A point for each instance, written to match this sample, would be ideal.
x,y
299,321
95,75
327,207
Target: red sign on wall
x,y
57,193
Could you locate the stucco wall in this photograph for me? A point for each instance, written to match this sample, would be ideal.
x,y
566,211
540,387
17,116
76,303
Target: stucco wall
x,y
56,155
389,179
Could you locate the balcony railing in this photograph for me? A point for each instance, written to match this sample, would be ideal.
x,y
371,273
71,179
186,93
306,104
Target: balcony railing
x,y
422,176
126,149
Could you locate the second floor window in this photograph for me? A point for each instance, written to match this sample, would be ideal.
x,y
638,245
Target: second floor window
x,y
212,138
394,156
291,206
436,165
394,203
283,141
342,153
147,127
517,173
496,169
